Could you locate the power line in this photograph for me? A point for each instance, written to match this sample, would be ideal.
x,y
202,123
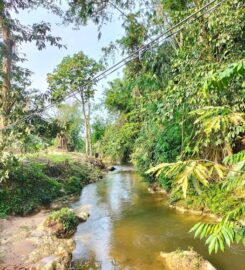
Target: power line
x,y
163,34
118,9
167,34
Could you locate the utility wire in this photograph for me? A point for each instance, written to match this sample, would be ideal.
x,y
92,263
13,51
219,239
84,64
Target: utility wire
x,y
118,9
167,34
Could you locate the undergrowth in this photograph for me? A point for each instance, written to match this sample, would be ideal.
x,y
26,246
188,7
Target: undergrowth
x,y
34,184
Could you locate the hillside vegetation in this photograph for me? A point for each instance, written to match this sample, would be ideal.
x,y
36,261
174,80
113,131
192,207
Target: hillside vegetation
x,y
180,114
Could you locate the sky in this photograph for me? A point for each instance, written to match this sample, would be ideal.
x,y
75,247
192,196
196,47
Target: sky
x,y
85,39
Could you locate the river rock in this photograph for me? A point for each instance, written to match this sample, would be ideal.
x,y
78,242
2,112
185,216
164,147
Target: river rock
x,y
54,263
52,253
186,260
111,168
81,213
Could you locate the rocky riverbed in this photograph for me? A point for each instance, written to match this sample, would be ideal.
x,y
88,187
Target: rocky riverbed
x,y
25,243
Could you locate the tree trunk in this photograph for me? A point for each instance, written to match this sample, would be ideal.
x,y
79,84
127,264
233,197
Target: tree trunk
x,y
89,130
6,70
86,123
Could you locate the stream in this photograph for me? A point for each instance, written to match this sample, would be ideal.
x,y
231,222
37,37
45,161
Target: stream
x,y
128,227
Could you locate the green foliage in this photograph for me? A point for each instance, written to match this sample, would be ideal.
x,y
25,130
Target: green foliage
x,y
8,164
118,97
72,185
223,233
213,199
73,74
222,80
51,180
236,158
230,229
19,197
118,140
98,130
218,119
181,105
236,176
195,171
216,128
156,143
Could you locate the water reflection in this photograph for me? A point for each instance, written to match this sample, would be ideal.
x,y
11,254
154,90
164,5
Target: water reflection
x,y
128,227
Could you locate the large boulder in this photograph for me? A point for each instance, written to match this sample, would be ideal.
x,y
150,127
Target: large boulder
x,y
185,260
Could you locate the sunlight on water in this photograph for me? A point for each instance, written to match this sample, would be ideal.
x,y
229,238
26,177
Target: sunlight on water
x,y
128,227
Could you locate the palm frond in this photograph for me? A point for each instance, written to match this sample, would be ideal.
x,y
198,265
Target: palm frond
x,y
236,175
233,159
190,171
216,119
226,232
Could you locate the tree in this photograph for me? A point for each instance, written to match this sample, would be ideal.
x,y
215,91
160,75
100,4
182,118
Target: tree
x,y
17,99
13,34
74,75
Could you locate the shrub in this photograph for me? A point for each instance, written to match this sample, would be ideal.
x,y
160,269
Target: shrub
x,y
63,223
27,189
72,185
38,182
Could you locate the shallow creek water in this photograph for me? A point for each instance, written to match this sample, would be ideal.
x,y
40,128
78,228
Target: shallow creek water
x,y
128,227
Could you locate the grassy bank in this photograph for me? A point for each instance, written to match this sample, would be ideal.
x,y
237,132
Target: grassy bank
x,y
41,178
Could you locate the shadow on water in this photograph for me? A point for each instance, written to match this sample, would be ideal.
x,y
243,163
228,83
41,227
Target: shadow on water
x,y
128,227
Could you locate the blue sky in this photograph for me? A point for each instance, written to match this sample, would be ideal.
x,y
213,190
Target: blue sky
x,y
85,39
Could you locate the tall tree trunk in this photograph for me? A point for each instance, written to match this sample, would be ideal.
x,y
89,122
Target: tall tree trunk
x,y
89,129
86,123
6,69
6,102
